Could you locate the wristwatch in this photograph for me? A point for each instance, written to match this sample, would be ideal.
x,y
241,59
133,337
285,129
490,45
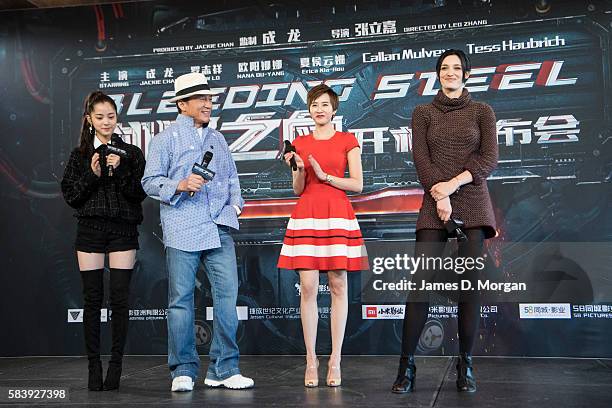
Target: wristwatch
x,y
328,178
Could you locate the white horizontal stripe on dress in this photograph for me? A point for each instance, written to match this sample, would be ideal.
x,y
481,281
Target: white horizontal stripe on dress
x,y
323,224
324,251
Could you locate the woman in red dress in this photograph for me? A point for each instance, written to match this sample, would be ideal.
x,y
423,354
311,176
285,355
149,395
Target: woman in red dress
x,y
323,234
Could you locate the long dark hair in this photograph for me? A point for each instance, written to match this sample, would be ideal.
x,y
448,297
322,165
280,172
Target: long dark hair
x,y
87,131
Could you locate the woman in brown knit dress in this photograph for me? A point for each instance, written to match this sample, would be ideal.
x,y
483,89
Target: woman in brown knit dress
x,y
454,150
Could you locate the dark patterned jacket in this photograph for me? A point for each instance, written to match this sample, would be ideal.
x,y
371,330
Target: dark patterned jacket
x,y
117,198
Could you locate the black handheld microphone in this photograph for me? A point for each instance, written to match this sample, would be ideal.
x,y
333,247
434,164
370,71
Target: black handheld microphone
x,y
288,149
202,169
454,226
112,149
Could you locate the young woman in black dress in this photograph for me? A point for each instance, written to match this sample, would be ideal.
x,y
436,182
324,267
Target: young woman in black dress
x,y
104,189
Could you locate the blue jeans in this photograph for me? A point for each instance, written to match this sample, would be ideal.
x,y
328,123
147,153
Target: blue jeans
x,y
220,265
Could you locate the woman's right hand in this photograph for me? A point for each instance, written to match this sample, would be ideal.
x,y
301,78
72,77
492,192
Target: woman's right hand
x,y
95,165
298,160
444,209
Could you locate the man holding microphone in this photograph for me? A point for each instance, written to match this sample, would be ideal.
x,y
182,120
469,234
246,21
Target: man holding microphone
x,y
196,216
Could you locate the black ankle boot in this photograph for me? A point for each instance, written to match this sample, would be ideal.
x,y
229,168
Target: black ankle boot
x,y
113,376
94,380
465,377
406,375
119,294
93,293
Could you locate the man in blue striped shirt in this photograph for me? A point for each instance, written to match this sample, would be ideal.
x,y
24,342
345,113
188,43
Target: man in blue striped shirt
x,y
196,217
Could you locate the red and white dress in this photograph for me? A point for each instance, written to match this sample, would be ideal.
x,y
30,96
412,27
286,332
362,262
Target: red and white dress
x,y
323,233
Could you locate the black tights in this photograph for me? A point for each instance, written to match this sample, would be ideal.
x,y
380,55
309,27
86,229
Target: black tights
x,y
469,308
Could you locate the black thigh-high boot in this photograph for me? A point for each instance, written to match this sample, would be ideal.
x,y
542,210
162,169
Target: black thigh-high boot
x,y
119,294
93,294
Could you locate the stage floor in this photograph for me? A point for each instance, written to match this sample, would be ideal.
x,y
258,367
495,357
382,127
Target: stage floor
x,y
366,380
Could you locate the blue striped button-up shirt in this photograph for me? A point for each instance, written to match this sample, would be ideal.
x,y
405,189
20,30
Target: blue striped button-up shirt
x,y
190,223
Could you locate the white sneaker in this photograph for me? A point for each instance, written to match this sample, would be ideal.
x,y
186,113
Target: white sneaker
x,y
235,382
182,383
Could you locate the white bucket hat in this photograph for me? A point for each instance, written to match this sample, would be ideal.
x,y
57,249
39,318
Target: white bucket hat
x,y
190,84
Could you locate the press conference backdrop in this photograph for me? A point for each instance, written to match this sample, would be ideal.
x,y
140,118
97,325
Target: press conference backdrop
x,y
547,78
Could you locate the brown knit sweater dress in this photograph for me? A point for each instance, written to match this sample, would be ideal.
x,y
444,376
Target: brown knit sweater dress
x,y
451,135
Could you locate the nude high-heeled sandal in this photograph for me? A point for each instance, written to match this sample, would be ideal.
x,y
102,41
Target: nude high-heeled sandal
x,y
311,376
334,376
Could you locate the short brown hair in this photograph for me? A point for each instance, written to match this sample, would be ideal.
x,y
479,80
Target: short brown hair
x,y
322,89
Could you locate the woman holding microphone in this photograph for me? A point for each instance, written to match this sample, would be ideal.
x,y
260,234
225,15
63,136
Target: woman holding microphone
x,y
323,234
106,193
454,151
